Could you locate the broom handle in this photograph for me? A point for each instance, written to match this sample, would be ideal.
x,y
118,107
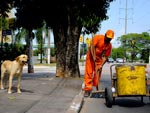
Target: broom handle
x,y
94,58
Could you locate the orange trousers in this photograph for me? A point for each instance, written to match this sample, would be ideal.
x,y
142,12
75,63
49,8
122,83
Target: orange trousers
x,y
90,77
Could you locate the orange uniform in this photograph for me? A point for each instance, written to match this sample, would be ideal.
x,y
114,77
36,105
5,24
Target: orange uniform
x,y
101,49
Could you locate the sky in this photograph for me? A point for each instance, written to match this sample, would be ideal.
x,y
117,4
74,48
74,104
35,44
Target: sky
x,y
138,18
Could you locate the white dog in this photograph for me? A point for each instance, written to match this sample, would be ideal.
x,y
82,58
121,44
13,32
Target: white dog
x,y
13,68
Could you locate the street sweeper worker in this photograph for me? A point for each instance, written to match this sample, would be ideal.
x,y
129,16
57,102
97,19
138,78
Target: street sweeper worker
x,y
99,50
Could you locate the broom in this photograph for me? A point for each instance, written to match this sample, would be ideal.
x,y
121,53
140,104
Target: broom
x,y
93,53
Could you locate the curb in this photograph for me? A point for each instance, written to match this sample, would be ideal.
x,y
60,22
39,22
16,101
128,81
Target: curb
x,y
77,103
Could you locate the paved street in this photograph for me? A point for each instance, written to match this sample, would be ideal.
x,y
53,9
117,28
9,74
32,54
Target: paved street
x,y
43,92
97,104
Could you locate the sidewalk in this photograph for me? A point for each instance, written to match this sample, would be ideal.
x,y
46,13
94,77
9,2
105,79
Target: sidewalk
x,y
43,93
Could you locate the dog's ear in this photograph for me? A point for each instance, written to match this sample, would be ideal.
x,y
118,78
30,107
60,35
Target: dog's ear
x,y
17,59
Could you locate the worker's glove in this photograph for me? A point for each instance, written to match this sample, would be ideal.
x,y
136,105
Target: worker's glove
x,y
99,69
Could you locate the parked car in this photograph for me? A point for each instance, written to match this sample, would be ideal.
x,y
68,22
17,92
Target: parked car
x,y
111,60
119,60
83,57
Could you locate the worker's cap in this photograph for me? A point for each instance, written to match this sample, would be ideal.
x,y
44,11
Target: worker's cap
x,y
110,34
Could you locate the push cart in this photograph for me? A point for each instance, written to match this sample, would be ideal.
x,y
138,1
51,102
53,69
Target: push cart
x,y
127,80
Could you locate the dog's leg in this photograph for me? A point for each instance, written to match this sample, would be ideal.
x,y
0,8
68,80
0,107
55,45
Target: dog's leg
x,y
10,83
18,87
2,78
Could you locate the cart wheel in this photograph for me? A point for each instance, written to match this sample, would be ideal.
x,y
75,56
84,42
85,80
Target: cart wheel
x,y
141,99
113,100
108,97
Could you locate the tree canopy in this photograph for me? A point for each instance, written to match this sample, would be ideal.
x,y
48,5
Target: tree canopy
x,y
86,13
135,43
66,18
5,7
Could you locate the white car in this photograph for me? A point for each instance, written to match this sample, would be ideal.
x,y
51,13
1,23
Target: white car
x,y
84,57
119,60
111,60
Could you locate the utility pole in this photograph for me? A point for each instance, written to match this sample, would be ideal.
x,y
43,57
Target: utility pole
x,y
49,49
125,24
126,14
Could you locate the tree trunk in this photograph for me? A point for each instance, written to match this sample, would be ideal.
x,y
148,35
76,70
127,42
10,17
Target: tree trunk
x,y
72,66
30,51
60,50
66,45
73,34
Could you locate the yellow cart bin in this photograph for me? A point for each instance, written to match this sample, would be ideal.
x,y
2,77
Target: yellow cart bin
x,y
131,80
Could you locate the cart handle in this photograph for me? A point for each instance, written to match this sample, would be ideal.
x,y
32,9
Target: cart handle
x,y
111,74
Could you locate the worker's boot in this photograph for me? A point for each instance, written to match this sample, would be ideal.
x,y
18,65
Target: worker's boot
x,y
87,93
